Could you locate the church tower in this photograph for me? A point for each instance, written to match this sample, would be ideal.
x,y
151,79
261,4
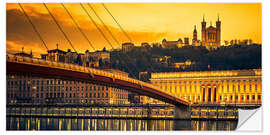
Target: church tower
x,y
203,32
218,23
195,33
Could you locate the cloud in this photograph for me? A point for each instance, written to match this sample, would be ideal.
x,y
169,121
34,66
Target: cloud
x,y
20,32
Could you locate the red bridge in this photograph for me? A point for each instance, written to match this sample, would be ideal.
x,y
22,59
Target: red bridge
x,y
43,68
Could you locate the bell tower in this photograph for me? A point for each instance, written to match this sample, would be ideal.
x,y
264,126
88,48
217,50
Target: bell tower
x,y
218,25
203,32
195,33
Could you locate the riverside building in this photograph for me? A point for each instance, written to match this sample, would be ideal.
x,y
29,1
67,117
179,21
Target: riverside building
x,y
213,87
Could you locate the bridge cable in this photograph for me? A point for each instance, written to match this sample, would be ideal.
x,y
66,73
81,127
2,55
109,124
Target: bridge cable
x,y
119,25
89,42
33,26
103,34
105,26
116,22
59,27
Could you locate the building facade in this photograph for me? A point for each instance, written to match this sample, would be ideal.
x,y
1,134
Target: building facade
x,y
213,87
211,35
195,41
127,46
172,44
186,41
183,65
87,59
39,90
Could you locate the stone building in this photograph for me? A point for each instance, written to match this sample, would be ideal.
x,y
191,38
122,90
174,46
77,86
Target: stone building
x,y
213,87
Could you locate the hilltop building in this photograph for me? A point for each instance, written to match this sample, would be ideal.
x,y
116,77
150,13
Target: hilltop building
x,y
172,44
211,35
195,41
127,46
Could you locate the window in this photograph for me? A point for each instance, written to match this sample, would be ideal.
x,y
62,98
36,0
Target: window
x,y
250,85
247,97
244,85
259,97
228,85
253,97
256,85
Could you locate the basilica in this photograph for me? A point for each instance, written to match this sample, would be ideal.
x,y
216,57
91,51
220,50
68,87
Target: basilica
x,y
210,37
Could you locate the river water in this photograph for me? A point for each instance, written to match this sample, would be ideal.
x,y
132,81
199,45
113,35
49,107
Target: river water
x,y
27,123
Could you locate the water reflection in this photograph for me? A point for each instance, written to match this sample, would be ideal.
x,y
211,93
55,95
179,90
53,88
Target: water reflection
x,y
23,123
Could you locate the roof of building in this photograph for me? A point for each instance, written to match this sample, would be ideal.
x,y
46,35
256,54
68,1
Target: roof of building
x,y
56,50
128,43
23,54
211,27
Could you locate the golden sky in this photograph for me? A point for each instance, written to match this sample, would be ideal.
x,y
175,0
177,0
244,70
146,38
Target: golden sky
x,y
143,22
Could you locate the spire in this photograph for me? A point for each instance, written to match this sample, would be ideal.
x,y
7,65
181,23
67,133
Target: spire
x,y
218,17
195,28
203,18
31,52
22,49
210,23
57,46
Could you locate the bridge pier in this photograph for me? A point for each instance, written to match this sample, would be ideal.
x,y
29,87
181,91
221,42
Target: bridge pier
x,y
182,112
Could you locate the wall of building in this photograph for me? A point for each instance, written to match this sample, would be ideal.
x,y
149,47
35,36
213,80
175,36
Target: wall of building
x,y
228,87
21,88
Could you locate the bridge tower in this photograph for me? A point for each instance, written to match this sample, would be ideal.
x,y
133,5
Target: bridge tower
x,y
182,112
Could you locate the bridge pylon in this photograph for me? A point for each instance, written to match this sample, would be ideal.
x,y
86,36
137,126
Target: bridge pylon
x,y
182,112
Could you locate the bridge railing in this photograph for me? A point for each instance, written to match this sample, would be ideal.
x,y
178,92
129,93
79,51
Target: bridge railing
x,y
92,71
